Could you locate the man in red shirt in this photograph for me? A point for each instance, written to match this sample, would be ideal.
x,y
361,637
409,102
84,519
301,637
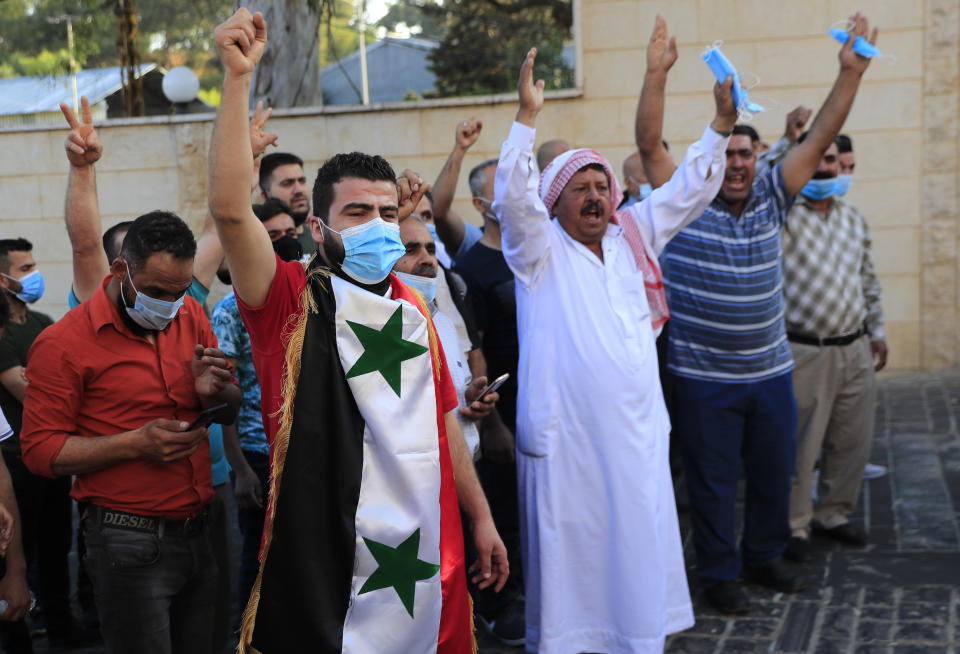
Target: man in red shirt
x,y
114,389
320,582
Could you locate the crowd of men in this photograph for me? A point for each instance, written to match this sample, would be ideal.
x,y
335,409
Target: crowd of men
x,y
339,397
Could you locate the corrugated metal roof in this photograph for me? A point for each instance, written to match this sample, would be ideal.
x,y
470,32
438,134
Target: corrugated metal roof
x,y
28,95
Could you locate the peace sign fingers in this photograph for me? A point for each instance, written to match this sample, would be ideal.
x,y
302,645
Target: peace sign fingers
x,y
82,145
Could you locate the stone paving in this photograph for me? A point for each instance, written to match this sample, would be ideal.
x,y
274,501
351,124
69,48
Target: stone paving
x,y
898,595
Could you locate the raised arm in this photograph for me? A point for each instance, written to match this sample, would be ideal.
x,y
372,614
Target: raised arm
x,y
450,226
81,208
241,41
694,184
658,166
524,223
802,162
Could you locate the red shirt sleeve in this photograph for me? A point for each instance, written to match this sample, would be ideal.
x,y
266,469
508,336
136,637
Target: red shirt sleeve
x,y
266,323
50,409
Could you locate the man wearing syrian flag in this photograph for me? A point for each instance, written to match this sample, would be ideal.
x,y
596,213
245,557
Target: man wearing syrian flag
x,y
603,562
363,549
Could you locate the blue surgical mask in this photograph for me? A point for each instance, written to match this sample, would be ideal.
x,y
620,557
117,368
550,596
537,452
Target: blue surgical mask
x,y
151,313
370,250
32,286
820,189
426,286
645,191
843,184
433,231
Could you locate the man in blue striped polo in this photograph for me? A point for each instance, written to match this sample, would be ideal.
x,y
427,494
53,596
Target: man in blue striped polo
x,y
729,352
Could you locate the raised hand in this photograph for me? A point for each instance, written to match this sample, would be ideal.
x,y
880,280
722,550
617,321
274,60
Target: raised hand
x,y
850,60
726,116
468,132
410,190
259,139
82,145
241,40
531,93
662,49
796,120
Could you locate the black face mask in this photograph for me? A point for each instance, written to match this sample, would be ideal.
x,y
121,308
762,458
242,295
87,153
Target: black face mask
x,y
288,248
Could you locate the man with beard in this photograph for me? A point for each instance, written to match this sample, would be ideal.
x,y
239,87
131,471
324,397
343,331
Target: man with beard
x,y
363,548
729,353
603,562
115,389
281,177
834,319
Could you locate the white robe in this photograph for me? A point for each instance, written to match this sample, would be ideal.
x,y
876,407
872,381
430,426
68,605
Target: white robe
x,y
602,557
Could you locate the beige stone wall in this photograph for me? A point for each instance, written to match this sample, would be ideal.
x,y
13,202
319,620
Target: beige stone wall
x,y
904,125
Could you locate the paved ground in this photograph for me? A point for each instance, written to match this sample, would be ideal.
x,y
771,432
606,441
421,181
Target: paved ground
x,y
900,594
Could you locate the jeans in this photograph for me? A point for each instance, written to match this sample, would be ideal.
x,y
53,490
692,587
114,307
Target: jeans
x,y
251,527
718,424
155,595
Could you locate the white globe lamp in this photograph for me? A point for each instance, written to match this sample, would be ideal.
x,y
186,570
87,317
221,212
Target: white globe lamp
x,y
180,85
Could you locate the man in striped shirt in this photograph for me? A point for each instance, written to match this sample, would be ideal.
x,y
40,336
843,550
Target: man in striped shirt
x,y
729,352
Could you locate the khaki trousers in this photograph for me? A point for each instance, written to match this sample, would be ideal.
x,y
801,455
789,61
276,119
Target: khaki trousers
x,y
835,389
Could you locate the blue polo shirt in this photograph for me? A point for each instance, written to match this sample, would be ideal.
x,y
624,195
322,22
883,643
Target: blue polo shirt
x,y
724,287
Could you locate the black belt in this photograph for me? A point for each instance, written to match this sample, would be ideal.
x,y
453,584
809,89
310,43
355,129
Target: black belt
x,y
114,519
845,339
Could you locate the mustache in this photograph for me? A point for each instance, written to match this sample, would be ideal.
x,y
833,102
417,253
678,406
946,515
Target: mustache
x,y
820,175
591,207
424,270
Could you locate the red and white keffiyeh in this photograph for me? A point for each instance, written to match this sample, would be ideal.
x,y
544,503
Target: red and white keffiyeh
x,y
555,178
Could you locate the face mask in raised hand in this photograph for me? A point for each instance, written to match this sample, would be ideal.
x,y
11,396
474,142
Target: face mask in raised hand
x,y
31,286
843,184
425,286
370,250
820,189
721,68
150,313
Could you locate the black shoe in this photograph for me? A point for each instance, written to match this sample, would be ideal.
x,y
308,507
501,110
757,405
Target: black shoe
x,y
776,575
508,626
847,533
799,550
728,598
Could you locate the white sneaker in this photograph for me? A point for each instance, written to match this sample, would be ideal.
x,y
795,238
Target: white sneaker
x,y
873,471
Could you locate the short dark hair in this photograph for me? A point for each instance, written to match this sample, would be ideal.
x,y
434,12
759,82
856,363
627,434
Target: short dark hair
x,y
371,167
844,143
746,130
157,231
273,161
110,239
478,178
8,245
272,207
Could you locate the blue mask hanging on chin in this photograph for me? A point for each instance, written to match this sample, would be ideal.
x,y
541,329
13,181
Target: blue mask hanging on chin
x,y
426,286
820,189
370,250
843,184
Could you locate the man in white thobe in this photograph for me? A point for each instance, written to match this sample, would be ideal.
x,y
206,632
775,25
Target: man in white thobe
x,y
601,543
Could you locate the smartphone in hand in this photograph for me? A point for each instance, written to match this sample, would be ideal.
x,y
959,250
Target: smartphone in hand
x,y
207,417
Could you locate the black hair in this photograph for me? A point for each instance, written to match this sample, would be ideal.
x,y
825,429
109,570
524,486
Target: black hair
x,y
844,143
352,164
110,239
157,231
8,245
272,207
273,161
746,130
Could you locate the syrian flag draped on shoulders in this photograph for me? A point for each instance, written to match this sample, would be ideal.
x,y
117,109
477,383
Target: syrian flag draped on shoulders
x,y
363,551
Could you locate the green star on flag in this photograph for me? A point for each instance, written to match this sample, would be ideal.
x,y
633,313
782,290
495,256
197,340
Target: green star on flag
x,y
384,350
399,568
